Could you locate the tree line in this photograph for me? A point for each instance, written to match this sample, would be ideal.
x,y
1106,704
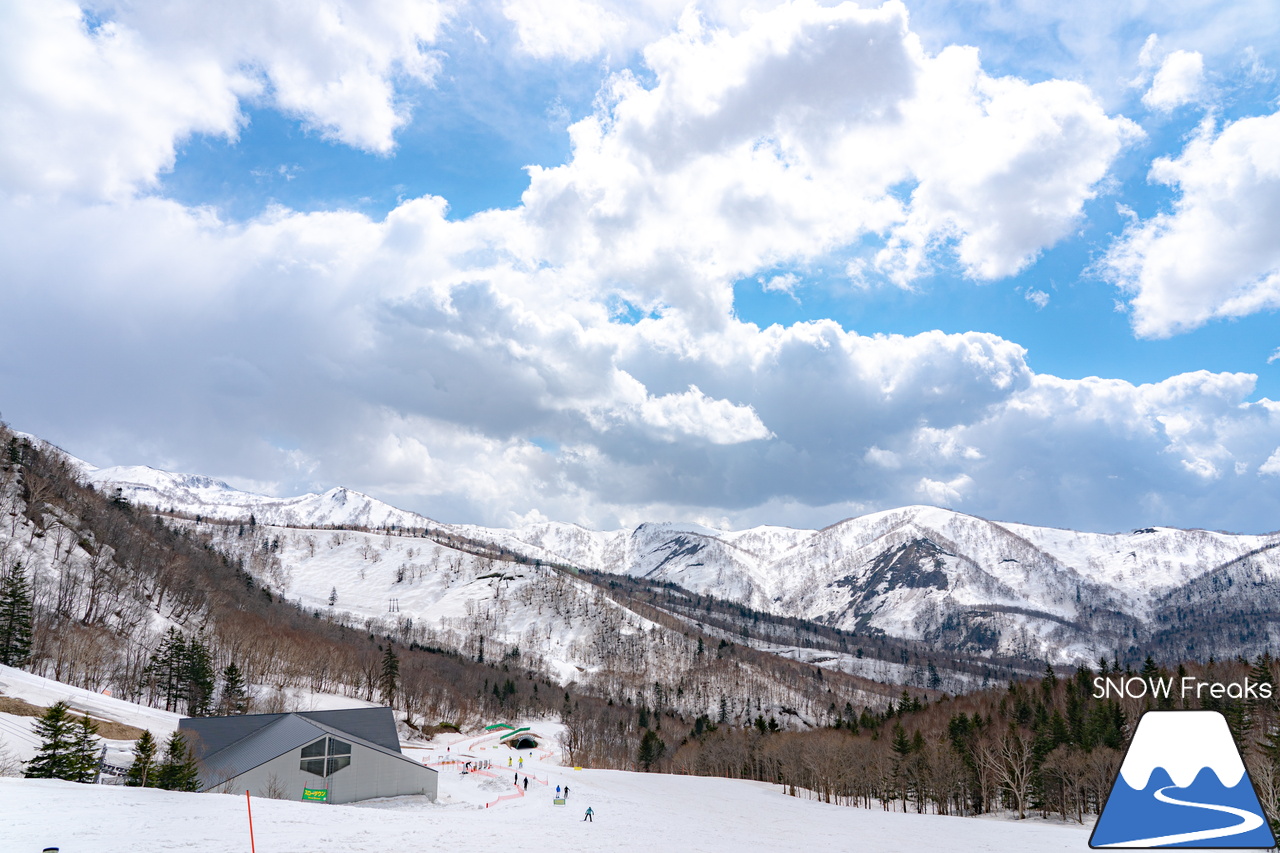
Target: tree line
x,y
1045,746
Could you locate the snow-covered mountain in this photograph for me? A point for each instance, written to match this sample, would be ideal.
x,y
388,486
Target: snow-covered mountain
x,y
933,574
214,499
923,573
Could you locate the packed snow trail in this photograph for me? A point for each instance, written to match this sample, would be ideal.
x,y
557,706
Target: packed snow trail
x,y
638,812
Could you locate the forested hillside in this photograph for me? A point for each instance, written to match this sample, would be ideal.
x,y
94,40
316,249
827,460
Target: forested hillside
x,y
109,583
198,616
1044,745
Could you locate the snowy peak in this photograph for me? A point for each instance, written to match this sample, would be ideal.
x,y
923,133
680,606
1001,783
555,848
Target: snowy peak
x,y
141,480
194,494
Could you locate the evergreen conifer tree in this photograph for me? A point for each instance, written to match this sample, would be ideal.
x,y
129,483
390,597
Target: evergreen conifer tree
x,y
178,771
198,678
143,772
235,699
652,748
15,616
56,758
13,453
84,751
389,680
181,670
166,668
901,743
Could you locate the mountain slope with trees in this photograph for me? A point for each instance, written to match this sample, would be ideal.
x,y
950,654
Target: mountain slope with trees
x,y
958,583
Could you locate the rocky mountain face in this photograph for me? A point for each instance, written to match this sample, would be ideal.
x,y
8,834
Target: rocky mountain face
x,y
963,583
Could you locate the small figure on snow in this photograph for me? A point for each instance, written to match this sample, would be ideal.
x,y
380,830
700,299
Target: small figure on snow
x,y
522,762
557,790
508,761
588,815
526,783
566,792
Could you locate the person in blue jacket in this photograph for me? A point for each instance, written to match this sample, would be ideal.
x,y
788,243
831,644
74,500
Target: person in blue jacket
x,y
589,814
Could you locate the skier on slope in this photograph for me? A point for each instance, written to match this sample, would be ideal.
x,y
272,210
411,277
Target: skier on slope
x,y
526,783
588,815
566,792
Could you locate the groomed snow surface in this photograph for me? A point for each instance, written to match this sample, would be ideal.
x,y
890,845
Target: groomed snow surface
x,y
633,811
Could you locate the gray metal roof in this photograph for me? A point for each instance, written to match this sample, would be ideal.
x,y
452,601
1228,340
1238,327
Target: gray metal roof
x,y
275,739
209,735
225,747
375,725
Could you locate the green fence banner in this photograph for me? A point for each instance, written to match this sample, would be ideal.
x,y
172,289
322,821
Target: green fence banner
x,y
317,795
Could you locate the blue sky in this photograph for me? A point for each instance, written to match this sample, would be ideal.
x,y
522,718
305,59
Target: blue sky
x,y
603,262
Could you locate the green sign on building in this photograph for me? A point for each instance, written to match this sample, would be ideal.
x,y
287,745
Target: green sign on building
x,y
318,795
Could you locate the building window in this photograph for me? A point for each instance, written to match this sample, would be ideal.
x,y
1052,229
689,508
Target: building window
x,y
335,752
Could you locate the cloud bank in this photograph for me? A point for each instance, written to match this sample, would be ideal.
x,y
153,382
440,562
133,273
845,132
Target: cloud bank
x,y
579,355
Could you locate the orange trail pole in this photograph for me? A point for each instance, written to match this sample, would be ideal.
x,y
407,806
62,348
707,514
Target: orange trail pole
x,y
248,806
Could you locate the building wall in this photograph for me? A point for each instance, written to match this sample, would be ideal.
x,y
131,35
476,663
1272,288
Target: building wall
x,y
370,774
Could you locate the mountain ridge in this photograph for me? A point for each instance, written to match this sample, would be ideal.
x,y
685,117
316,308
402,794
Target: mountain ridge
x,y
919,572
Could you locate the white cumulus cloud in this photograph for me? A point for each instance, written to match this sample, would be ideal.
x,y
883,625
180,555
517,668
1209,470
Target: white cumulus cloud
x,y
95,103
946,494
1179,81
808,129
476,368
694,414
1214,254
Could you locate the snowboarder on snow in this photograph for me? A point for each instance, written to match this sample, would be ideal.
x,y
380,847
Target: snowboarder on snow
x,y
526,783
566,792
588,815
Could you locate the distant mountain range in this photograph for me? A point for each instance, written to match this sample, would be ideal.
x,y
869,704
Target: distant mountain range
x,y
956,582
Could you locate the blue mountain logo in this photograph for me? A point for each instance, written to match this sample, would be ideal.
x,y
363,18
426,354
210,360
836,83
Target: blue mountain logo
x,y
1182,784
